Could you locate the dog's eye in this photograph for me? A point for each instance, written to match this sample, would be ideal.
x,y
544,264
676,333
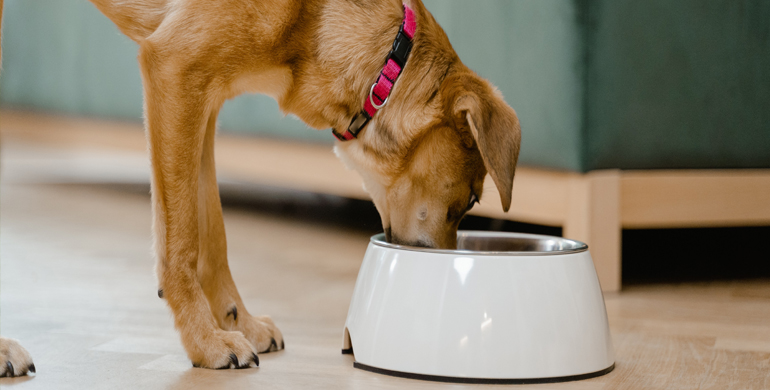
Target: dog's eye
x,y
473,200
456,213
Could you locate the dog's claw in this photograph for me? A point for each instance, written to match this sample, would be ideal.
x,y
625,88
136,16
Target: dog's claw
x,y
273,346
160,293
233,362
283,344
245,365
234,312
31,368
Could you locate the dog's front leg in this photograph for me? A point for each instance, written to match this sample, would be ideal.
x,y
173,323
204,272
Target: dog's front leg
x,y
179,101
213,271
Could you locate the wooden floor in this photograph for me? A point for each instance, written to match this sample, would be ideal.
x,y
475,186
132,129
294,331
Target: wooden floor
x,y
77,289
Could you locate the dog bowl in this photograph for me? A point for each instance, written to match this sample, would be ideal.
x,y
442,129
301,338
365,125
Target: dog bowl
x,y
502,308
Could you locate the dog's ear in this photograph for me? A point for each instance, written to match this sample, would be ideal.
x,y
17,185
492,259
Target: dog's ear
x,y
495,127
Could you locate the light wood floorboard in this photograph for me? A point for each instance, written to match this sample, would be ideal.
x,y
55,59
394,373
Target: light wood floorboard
x,y
77,289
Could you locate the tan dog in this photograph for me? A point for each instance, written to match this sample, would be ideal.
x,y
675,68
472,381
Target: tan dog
x,y
423,157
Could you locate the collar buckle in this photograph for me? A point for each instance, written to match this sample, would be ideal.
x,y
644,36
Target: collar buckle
x,y
356,125
402,46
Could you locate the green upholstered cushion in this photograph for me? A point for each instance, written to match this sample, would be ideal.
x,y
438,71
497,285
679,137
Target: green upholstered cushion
x,y
678,84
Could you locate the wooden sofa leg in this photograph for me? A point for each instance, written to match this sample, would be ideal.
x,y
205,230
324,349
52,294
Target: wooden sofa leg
x,y
593,216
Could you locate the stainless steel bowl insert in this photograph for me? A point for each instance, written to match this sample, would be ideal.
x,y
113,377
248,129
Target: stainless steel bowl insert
x,y
498,243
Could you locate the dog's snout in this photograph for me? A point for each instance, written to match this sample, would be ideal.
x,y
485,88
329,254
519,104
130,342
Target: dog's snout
x,y
396,240
422,244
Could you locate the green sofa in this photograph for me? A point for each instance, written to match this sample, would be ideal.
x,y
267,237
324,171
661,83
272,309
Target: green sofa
x,y
597,83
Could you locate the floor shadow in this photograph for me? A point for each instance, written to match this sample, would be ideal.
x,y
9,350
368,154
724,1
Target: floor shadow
x,y
15,380
649,255
689,255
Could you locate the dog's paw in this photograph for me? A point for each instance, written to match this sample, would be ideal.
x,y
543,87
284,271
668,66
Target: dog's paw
x,y
14,359
223,350
260,331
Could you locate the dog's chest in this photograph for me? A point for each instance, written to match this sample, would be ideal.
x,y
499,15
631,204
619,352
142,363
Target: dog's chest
x,y
273,82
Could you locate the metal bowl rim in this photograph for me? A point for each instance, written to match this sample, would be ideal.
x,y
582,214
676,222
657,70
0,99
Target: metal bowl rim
x,y
379,240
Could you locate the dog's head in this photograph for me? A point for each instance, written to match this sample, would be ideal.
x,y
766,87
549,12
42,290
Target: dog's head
x,y
424,156
424,160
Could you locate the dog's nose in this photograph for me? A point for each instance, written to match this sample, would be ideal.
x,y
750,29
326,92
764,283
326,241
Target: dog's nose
x,y
418,243
421,244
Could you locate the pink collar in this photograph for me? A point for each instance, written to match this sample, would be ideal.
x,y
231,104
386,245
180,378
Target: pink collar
x,y
380,90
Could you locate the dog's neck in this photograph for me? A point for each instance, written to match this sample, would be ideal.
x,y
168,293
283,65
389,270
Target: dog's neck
x,y
353,40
